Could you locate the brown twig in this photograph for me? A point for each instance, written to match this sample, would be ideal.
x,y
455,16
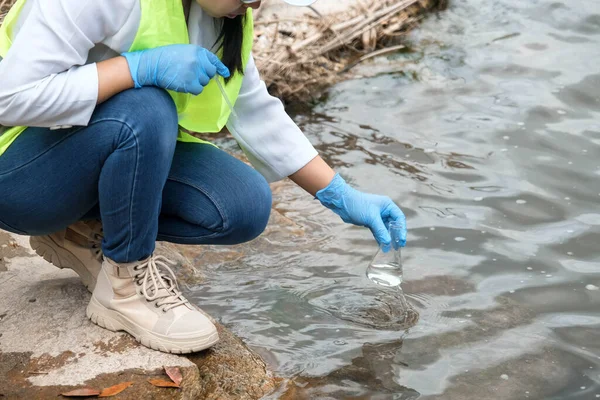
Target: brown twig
x,y
373,54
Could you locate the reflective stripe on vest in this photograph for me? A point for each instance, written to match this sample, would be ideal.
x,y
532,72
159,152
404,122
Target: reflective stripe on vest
x,y
162,23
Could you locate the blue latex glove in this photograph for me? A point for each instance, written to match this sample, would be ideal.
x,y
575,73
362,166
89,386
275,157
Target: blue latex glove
x,y
363,209
183,68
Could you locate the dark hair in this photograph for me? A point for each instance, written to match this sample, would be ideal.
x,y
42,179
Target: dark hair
x,y
230,41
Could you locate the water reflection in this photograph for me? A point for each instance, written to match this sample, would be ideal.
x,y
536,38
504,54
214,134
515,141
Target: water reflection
x,y
369,306
370,375
489,140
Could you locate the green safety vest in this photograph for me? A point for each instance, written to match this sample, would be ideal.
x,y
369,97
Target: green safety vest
x,y
162,23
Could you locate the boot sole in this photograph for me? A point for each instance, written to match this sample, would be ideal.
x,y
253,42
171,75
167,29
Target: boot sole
x,y
114,321
52,252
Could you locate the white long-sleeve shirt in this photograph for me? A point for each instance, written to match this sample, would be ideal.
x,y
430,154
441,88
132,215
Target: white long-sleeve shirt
x,y
49,77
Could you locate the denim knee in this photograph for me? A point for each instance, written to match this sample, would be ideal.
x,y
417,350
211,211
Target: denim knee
x,y
151,116
253,208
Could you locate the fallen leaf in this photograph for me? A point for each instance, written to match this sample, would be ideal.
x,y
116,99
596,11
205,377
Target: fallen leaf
x,y
113,390
175,374
162,383
82,392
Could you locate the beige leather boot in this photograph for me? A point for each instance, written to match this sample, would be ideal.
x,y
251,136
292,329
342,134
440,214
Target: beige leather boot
x,y
142,298
77,247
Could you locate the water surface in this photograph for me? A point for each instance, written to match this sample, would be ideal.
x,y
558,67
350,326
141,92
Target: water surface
x,y
489,139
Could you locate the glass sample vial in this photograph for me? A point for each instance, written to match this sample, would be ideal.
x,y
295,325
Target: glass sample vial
x,y
386,267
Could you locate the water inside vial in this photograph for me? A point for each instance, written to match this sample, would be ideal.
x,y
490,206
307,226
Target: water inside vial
x,y
389,274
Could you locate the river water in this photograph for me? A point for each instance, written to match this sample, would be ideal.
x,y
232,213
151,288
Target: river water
x,y
487,134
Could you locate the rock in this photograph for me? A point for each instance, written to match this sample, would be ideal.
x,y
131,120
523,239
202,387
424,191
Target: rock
x,y
48,346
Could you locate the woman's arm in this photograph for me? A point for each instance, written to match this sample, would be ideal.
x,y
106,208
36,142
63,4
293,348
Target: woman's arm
x,y
277,148
314,176
44,79
113,78
273,143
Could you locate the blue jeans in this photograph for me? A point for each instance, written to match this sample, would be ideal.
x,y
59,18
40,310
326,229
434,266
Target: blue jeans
x,y
127,168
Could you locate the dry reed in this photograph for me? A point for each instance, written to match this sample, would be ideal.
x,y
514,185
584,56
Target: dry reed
x,y
298,57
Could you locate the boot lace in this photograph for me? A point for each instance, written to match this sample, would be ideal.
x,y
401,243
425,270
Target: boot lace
x,y
94,233
159,283
96,242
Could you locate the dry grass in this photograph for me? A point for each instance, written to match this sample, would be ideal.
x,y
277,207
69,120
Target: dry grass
x,y
300,57
4,7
